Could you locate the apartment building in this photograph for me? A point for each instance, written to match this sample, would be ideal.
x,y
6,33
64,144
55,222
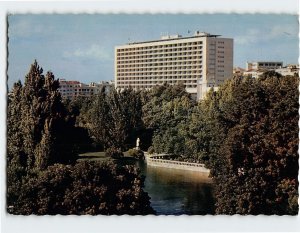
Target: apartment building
x,y
97,87
289,70
256,69
263,65
200,62
73,89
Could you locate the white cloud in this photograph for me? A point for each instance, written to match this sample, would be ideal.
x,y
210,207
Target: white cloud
x,y
251,36
93,52
254,35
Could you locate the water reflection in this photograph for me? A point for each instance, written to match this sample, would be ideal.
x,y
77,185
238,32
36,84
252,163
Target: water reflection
x,y
172,191
177,192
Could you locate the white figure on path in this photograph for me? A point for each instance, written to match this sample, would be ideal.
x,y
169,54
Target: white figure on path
x,y
137,143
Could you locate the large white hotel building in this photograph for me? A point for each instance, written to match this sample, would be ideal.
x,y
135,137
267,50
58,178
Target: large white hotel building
x,y
200,62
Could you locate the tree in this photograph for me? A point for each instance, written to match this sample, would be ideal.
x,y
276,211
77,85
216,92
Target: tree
x,y
38,133
165,111
156,98
42,176
36,117
78,112
115,119
251,138
85,188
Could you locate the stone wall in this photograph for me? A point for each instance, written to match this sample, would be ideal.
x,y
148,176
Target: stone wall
x,y
176,165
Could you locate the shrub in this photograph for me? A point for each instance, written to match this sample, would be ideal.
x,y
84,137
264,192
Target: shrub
x,y
151,150
114,153
138,154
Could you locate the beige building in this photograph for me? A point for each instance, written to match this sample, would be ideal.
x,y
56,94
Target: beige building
x,y
263,65
238,71
289,70
73,89
200,62
97,87
256,69
254,73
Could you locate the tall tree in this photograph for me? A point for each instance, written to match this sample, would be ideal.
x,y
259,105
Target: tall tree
x,y
165,112
37,116
115,118
40,143
251,133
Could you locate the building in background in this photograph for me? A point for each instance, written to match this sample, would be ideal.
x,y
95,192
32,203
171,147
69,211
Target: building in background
x,y
253,73
264,65
290,70
97,87
73,89
238,71
255,69
200,62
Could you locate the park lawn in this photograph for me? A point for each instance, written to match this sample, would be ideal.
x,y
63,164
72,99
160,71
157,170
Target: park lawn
x,y
96,156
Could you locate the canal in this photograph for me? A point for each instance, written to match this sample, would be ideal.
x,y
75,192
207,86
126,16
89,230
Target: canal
x,y
172,191
177,192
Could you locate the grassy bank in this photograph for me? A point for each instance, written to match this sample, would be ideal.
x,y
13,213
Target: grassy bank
x,y
100,156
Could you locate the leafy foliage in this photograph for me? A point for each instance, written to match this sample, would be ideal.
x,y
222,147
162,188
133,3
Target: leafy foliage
x,y
250,143
42,138
138,154
246,133
85,188
77,114
151,150
115,119
165,112
114,153
163,99
38,132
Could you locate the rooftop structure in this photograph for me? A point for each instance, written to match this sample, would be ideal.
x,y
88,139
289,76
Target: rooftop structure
x,y
263,65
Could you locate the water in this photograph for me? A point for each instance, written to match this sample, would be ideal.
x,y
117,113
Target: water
x,y
172,191
177,192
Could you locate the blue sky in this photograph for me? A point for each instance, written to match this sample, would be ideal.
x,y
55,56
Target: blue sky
x,y
81,47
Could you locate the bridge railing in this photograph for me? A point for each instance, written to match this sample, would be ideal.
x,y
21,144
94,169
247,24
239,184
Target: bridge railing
x,y
176,162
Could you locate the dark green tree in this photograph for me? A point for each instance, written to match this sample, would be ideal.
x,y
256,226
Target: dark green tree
x,y
85,188
169,137
115,118
78,113
41,142
249,140
157,98
36,117
165,112
37,129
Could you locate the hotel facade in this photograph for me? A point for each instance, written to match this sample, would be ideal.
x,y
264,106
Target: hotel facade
x,y
200,62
